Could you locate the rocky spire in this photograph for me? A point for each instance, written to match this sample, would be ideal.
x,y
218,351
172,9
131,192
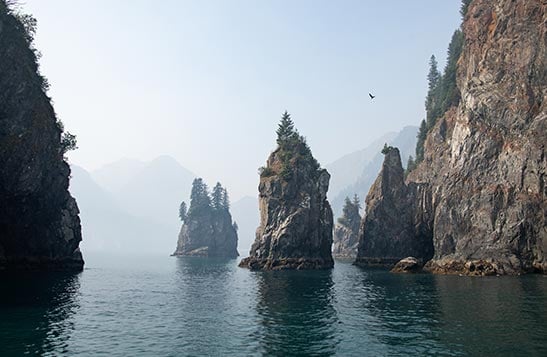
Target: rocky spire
x,y
295,229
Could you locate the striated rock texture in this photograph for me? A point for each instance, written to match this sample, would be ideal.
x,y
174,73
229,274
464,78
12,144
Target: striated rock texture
x,y
484,165
346,231
296,221
393,227
39,223
208,230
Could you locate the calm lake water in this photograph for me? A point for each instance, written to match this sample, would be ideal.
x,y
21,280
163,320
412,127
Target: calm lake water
x,y
166,306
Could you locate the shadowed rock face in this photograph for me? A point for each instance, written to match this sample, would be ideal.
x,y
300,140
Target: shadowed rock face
x,y
345,242
296,221
484,165
392,228
208,235
39,223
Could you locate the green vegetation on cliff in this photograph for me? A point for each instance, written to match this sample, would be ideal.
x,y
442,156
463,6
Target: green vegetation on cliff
x,y
442,89
293,151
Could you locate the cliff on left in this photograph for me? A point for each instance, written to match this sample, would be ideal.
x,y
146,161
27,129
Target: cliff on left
x,y
39,224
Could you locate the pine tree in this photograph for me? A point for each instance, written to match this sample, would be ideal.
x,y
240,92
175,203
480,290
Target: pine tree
x,y
285,131
432,102
200,200
225,201
182,212
356,201
422,134
464,7
217,196
236,227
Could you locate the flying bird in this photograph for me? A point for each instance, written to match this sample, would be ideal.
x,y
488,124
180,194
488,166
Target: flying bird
x,y
371,96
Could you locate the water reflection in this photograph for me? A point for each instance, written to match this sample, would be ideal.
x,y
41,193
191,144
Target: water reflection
x,y
207,307
36,311
403,313
509,312
296,313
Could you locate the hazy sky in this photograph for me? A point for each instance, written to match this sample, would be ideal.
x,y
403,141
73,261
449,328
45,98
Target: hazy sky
x,y
207,81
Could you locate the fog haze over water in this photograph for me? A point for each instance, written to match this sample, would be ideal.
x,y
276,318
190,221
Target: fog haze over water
x,y
206,82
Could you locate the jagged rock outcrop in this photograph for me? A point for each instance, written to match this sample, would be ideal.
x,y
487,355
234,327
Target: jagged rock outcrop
x,y
296,221
392,228
346,230
39,223
408,265
208,230
484,163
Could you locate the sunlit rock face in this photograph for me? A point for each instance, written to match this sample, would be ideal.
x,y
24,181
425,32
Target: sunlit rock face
x,y
39,223
296,221
481,187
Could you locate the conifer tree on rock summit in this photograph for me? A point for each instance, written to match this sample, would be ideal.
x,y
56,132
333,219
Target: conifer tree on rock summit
x,y
295,229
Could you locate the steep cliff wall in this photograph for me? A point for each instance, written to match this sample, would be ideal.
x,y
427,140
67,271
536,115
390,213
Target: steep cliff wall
x,y
484,164
39,223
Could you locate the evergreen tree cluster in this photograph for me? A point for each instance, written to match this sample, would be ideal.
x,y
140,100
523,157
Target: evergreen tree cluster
x,y
350,214
293,150
203,202
442,90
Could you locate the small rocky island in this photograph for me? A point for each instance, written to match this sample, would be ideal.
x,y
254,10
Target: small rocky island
x,y
296,221
207,229
39,223
346,230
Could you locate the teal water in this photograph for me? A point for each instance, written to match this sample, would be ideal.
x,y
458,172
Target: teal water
x,y
164,306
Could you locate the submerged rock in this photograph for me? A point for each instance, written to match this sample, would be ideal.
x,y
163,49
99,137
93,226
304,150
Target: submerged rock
x,y
39,224
408,265
295,229
208,230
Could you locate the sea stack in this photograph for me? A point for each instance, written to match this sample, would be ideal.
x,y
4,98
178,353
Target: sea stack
x,y
346,230
389,231
207,229
39,224
296,221
478,190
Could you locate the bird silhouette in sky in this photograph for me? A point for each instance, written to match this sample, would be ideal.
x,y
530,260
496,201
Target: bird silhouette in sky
x,y
371,96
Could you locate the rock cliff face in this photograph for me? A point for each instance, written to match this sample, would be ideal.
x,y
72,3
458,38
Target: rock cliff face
x,y
210,235
345,242
296,221
39,223
483,175
393,228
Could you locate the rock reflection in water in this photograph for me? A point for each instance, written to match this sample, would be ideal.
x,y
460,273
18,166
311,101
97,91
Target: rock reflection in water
x,y
36,311
296,313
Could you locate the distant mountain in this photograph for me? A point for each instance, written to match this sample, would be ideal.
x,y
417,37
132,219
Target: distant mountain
x,y
245,212
346,169
107,227
115,175
405,140
153,190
